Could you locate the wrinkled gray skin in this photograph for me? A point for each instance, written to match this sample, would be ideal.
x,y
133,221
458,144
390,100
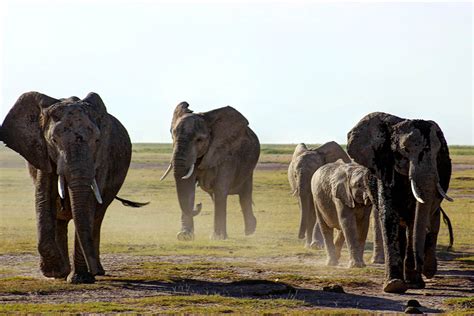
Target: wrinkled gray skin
x,y
223,151
410,159
304,163
343,202
74,140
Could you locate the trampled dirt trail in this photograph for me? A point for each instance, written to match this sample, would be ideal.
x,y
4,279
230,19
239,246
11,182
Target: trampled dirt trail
x,y
453,280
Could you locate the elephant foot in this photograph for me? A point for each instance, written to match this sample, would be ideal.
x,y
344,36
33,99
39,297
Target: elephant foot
x,y
395,286
100,269
356,264
316,245
56,270
219,236
80,278
430,267
331,262
415,282
378,260
185,236
250,226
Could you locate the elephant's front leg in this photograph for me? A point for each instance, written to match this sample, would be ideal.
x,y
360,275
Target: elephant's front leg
x,y
412,277
431,265
390,220
347,220
80,272
96,235
52,262
378,254
220,216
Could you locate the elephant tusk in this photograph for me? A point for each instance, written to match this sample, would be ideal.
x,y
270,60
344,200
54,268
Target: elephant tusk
x,y
95,188
61,187
166,172
443,194
190,172
415,192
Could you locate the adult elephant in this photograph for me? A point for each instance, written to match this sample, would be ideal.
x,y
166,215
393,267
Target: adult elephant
x,y
217,151
410,159
304,163
78,156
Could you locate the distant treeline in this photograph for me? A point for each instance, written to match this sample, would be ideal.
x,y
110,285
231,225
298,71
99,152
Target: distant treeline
x,y
272,149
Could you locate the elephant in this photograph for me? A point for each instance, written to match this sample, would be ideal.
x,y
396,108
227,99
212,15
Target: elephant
x,y
69,144
304,163
217,151
410,160
343,201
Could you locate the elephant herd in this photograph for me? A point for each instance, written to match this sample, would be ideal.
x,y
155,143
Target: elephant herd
x,y
396,169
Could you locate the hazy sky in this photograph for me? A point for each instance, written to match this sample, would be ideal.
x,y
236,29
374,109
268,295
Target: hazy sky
x,y
300,71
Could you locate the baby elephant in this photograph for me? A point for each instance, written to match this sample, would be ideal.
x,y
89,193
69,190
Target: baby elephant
x,y
343,201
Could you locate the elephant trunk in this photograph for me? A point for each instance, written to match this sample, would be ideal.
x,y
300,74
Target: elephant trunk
x,y
185,177
82,207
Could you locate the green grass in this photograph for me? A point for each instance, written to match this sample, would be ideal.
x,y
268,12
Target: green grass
x,y
274,252
194,304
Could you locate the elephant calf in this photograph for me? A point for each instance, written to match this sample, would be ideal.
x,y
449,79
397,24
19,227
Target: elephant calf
x,y
343,201
304,163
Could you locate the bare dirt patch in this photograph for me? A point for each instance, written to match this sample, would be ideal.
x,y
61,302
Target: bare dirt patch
x,y
255,279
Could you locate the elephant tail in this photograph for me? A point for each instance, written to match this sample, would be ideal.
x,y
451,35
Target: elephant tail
x,y
131,203
447,221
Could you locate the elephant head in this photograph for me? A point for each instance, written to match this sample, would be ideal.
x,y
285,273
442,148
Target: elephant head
x,y
351,185
413,150
62,138
201,141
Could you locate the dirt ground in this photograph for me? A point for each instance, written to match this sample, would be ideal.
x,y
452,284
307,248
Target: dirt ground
x,y
452,280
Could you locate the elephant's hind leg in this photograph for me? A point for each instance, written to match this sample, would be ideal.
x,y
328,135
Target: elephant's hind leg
x,y
245,199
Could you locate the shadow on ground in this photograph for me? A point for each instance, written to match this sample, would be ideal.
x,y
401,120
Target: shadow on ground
x,y
264,289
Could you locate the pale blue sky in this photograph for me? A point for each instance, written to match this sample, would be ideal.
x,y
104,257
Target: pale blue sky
x,y
299,71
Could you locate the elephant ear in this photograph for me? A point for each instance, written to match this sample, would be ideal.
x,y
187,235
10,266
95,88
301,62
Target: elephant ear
x,y
340,188
180,110
227,127
443,159
299,149
332,151
22,129
97,109
369,144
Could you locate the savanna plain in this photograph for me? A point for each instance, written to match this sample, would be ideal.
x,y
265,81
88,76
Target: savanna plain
x,y
149,270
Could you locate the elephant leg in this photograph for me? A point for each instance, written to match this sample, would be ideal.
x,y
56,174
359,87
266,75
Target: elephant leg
x,y
61,241
312,228
245,199
338,243
378,254
318,241
52,263
412,277
363,230
80,273
348,224
96,238
332,258
431,265
220,216
390,219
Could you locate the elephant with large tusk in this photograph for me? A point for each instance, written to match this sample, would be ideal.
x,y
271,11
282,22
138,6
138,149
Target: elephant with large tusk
x,y
410,159
68,144
217,151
